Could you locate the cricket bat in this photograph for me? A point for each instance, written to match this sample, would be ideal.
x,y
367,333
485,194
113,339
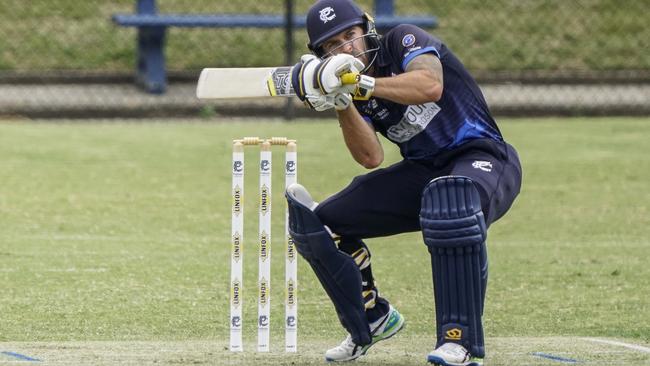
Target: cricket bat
x,y
250,82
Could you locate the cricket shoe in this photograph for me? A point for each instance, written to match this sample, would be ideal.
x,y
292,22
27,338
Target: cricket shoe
x,y
383,328
453,354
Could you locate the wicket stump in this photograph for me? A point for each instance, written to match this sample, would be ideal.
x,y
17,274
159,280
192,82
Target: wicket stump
x,y
264,246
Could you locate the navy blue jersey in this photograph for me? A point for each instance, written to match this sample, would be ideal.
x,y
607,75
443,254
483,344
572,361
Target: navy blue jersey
x,y
422,131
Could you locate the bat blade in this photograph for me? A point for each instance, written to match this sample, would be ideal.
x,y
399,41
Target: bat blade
x,y
248,82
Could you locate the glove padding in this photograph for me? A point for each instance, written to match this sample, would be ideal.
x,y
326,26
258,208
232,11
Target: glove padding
x,y
318,83
302,76
361,90
342,100
328,72
364,87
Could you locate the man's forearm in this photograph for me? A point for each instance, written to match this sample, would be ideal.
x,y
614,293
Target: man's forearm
x,y
360,138
415,87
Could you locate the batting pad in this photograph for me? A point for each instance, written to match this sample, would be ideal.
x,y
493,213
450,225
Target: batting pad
x,y
336,271
454,231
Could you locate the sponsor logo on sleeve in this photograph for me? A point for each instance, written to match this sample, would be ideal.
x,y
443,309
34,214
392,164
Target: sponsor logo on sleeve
x,y
411,50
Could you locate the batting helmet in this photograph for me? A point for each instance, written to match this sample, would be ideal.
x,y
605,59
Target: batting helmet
x,y
327,18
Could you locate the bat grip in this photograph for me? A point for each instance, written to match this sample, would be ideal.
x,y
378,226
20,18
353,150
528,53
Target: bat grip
x,y
350,78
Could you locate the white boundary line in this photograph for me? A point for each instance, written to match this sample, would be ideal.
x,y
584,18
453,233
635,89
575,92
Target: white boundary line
x,y
616,343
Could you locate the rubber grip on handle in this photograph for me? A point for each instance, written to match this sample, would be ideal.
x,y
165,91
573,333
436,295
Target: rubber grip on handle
x,y
350,78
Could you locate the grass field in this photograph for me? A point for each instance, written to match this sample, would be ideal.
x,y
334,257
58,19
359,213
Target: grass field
x,y
114,245
494,35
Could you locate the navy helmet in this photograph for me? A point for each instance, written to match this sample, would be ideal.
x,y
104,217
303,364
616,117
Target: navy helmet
x,y
327,18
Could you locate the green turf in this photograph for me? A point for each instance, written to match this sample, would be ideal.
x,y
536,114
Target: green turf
x,y
120,231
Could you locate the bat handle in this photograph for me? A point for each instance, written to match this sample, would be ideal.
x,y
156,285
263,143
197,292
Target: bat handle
x,y
350,78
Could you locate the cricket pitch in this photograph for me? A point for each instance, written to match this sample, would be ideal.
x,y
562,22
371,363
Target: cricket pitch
x,y
400,351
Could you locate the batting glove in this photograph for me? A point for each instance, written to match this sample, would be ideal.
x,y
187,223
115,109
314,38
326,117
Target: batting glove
x,y
302,80
342,101
365,86
360,86
328,72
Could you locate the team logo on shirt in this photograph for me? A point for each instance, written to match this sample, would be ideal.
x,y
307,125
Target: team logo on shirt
x,y
485,166
408,40
327,14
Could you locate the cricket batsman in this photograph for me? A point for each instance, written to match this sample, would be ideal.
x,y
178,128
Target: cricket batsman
x,y
458,176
